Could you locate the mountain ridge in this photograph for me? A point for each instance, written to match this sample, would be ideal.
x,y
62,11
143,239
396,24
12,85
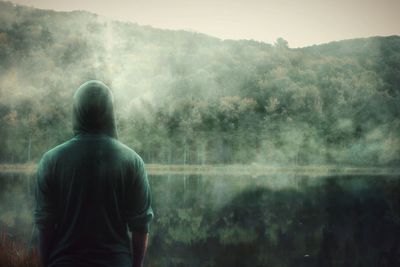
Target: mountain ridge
x,y
9,4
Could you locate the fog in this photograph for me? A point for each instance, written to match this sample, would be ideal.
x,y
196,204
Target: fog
x,y
188,98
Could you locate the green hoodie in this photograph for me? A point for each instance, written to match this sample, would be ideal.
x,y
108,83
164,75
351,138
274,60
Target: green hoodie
x,y
92,188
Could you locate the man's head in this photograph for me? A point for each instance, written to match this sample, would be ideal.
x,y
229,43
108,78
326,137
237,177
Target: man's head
x,y
93,109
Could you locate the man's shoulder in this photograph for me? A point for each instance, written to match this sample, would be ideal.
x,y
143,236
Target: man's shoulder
x,y
52,156
69,147
57,150
126,150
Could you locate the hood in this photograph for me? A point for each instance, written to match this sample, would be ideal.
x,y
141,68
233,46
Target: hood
x,y
93,109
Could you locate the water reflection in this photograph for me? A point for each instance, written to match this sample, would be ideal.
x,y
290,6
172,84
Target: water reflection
x,y
277,220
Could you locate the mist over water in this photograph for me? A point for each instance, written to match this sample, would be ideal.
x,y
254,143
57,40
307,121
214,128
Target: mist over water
x,y
279,220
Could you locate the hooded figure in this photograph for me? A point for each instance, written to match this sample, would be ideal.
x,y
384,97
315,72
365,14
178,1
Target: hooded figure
x,y
91,190
93,110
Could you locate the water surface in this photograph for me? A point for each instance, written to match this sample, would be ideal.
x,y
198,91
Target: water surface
x,y
272,220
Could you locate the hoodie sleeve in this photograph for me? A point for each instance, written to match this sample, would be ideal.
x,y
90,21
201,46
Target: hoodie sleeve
x,y
44,212
139,212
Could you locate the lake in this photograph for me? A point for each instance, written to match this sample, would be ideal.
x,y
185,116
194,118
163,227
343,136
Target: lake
x,y
239,220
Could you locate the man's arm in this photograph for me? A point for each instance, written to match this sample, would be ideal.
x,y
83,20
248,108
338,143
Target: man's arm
x,y
138,210
44,213
139,247
45,238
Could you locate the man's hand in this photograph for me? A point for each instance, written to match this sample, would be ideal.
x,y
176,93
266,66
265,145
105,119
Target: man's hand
x,y
139,247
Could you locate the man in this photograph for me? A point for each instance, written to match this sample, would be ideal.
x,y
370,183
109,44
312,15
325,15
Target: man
x,y
91,190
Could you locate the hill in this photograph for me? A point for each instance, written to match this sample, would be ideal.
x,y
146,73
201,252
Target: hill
x,y
188,98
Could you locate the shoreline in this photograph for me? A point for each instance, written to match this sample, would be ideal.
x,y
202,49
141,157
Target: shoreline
x,y
235,170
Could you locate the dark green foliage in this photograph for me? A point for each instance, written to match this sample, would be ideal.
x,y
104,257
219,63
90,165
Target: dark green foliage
x,y
187,98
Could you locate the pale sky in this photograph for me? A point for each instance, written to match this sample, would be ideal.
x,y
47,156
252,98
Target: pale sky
x,y
300,22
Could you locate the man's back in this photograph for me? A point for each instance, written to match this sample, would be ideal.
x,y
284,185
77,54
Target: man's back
x,y
90,190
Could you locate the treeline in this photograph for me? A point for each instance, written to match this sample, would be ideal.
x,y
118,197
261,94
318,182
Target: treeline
x,y
188,98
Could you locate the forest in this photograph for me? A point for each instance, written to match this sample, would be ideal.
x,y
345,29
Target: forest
x,y
187,98
237,108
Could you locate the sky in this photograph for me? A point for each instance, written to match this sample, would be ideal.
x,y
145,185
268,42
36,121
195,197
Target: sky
x,y
300,22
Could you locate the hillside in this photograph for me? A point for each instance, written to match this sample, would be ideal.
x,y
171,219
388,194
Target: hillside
x,y
188,98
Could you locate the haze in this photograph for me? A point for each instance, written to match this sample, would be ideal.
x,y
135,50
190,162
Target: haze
x,y
301,23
